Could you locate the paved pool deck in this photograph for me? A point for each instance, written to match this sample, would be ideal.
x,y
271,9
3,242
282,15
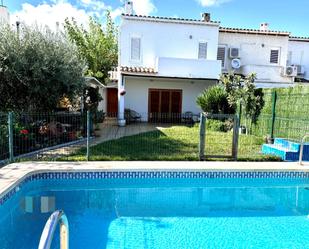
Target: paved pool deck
x,y
11,175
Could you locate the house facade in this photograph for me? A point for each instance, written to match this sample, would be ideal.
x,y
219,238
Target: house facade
x,y
165,63
298,54
261,51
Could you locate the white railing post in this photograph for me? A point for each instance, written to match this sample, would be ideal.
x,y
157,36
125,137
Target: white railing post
x,y
301,152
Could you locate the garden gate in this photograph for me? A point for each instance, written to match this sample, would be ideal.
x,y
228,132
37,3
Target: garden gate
x,y
219,135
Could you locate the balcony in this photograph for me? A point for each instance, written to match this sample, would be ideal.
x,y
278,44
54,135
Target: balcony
x,y
267,73
188,68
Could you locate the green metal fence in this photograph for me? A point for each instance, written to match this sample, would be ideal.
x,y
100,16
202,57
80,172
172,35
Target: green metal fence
x,y
74,137
40,135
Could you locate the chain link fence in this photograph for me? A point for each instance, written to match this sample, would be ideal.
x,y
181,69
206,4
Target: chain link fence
x,y
43,136
79,137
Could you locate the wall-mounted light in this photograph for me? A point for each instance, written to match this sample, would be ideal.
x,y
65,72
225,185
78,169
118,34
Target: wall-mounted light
x,y
190,37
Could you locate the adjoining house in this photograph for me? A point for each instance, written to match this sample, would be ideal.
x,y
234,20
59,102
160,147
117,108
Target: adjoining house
x,y
276,57
261,51
298,56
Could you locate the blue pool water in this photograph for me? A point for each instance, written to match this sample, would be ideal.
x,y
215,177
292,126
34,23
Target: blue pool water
x,y
164,213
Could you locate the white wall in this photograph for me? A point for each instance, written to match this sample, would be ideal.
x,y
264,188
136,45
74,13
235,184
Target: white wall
x,y
136,97
255,54
165,39
103,102
300,55
189,68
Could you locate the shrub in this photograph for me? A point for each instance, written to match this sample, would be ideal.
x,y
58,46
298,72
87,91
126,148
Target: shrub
x,y
214,100
219,125
214,125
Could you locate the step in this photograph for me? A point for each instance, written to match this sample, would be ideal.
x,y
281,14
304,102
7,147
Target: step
x,y
285,153
294,146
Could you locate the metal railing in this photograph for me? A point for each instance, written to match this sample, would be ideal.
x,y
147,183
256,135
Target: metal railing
x,y
49,230
301,152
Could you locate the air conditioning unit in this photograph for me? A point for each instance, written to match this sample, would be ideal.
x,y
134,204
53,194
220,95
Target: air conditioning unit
x,y
234,53
290,71
300,70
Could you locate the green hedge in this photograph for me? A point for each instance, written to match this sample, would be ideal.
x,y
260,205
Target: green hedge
x,y
292,113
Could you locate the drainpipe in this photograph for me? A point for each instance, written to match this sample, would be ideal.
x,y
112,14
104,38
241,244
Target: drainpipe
x,y
121,89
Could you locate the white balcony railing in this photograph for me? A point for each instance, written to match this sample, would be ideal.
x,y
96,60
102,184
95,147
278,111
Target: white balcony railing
x,y
267,73
188,68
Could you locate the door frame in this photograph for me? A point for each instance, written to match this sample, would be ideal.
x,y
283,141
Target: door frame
x,y
170,101
107,101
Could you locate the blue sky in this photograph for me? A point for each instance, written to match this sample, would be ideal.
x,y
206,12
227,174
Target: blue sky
x,y
281,14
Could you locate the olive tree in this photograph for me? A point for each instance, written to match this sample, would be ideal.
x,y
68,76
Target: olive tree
x,y
38,67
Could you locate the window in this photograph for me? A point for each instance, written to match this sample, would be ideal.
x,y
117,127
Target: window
x,y
221,55
135,48
274,56
202,50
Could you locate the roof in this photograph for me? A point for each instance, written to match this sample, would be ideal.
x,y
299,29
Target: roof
x,y
254,31
299,38
90,79
142,70
170,19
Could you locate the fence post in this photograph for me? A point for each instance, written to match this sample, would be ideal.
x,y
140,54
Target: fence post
x,y
202,137
11,137
88,134
273,113
239,112
235,137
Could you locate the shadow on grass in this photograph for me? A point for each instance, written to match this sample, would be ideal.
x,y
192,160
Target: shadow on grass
x,y
154,145
178,143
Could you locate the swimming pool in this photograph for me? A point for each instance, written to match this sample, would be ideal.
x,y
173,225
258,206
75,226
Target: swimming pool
x,y
161,209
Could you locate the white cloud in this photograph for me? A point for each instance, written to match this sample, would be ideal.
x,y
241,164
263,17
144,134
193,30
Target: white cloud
x,y
116,12
50,14
96,5
207,3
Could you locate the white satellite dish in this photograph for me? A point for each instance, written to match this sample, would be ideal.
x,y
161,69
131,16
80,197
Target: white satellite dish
x,y
236,63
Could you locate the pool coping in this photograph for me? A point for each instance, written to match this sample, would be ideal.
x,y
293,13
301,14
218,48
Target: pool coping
x,y
12,175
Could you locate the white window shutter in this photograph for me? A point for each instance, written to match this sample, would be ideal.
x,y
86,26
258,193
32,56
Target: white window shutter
x,y
202,50
221,55
135,48
274,56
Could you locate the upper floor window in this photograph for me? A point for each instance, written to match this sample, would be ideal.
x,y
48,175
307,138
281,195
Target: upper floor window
x,y
221,55
274,56
135,48
202,50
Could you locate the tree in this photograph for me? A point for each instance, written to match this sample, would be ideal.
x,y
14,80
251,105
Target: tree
x,y
96,45
215,100
243,92
38,68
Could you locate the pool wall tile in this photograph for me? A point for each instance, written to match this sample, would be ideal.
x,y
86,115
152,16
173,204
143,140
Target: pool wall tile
x,y
153,175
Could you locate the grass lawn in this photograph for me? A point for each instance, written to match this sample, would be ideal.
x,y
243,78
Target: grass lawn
x,y
175,143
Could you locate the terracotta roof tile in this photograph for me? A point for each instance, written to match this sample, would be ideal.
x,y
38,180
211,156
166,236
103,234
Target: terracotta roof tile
x,y
299,38
170,18
144,70
254,31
